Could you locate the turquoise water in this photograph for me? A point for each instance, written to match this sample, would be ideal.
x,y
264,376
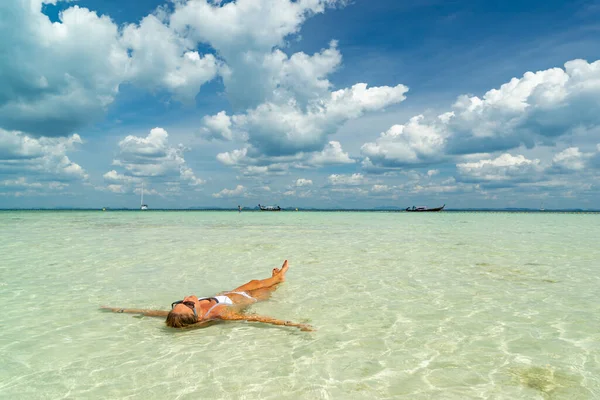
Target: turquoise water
x,y
406,306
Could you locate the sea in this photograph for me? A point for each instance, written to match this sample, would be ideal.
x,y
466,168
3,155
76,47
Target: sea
x,y
448,305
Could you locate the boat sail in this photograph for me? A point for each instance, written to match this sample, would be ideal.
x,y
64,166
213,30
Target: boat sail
x,y
143,206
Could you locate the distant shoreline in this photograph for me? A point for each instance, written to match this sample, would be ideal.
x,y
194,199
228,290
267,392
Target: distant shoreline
x,y
383,210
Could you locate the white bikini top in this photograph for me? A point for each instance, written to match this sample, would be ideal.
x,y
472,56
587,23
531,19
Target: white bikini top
x,y
223,300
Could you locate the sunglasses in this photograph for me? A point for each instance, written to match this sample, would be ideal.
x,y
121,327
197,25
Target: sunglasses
x,y
189,304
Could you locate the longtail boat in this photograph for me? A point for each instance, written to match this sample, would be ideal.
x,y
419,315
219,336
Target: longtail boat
x,y
269,208
424,209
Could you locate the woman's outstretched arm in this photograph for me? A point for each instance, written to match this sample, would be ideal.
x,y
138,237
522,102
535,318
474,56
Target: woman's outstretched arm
x,y
266,320
147,313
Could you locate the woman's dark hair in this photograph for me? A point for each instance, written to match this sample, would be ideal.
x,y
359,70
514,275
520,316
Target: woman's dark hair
x,y
178,320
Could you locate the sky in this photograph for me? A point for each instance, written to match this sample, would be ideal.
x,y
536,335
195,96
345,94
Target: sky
x,y
304,103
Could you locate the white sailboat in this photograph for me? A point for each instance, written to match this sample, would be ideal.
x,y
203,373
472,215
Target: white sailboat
x,y
143,206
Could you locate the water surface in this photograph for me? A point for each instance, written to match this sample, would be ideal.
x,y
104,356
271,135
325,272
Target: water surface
x,y
406,306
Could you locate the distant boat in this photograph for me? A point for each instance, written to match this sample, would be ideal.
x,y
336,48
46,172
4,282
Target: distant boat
x,y
269,208
542,207
143,206
424,209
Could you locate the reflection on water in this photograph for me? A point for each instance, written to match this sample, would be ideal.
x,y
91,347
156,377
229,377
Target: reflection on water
x,y
451,306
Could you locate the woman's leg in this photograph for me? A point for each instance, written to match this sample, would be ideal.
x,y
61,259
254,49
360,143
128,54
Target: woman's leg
x,y
278,277
262,294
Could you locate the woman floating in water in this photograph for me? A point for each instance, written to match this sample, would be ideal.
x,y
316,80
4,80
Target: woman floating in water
x,y
227,306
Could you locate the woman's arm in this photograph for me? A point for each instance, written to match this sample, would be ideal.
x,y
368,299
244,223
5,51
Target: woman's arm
x,y
147,313
266,320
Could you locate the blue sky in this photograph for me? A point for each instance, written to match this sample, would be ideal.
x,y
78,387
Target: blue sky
x,y
307,103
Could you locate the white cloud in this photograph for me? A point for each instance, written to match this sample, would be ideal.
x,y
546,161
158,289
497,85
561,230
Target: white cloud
x,y
356,191
380,189
234,25
539,107
151,158
217,126
161,58
285,128
413,143
25,187
39,162
506,167
246,34
435,189
570,159
20,183
114,176
332,154
347,180
54,81
237,192
234,157
303,182
272,169
117,188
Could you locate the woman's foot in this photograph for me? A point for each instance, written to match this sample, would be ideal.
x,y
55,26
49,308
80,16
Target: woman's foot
x,y
283,270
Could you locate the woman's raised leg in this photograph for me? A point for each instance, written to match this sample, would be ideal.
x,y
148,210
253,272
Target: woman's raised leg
x,y
277,277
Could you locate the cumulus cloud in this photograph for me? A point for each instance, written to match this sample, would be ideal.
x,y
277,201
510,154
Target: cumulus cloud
x,y
570,159
536,108
290,107
272,169
217,126
247,33
252,163
332,154
414,143
115,177
153,159
234,157
303,182
505,168
233,25
237,192
54,81
275,129
380,189
433,188
347,180
67,81
352,191
288,102
61,90
161,58
31,163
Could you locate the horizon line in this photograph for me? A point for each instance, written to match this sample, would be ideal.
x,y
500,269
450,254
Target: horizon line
x,y
375,209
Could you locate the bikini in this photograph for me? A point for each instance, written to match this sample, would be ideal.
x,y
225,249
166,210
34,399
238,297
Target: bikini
x,y
223,300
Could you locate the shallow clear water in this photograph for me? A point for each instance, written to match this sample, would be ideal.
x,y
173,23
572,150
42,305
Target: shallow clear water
x,y
415,306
